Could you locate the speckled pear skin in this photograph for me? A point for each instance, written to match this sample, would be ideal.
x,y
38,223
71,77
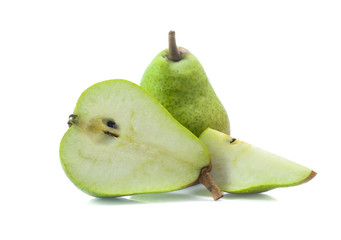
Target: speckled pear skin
x,y
183,88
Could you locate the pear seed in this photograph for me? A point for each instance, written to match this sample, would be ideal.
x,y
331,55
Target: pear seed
x,y
111,134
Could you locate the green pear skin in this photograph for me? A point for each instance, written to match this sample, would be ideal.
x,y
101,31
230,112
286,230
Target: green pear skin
x,y
183,88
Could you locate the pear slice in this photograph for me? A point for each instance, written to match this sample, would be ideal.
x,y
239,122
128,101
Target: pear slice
x,y
121,141
239,167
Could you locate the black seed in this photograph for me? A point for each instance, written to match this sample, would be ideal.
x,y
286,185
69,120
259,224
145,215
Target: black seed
x,y
233,139
111,124
111,134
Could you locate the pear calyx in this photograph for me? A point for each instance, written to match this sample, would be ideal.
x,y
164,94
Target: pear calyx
x,y
72,120
173,52
311,176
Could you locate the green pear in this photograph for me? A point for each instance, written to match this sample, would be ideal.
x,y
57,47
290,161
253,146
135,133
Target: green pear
x,y
239,167
177,80
121,141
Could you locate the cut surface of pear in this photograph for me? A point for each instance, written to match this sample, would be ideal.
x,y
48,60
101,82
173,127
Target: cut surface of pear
x,y
239,167
178,81
122,141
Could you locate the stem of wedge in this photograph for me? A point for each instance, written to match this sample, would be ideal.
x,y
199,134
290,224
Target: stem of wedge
x,y
207,180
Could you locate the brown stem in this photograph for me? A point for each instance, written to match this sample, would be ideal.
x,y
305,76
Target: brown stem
x,y
173,52
207,180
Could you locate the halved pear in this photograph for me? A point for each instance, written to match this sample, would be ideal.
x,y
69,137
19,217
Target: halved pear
x,y
238,167
121,141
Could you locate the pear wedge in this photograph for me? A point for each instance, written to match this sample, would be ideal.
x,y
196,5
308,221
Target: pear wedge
x,y
239,167
121,141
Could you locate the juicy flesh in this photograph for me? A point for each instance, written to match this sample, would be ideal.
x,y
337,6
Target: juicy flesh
x,y
124,142
239,167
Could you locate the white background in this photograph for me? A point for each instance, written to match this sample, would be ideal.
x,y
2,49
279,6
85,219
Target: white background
x,y
275,65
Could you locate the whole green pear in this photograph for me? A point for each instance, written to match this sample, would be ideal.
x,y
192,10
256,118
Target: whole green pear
x,y
178,81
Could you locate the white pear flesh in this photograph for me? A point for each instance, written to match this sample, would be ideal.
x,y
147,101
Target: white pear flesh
x,y
147,150
239,167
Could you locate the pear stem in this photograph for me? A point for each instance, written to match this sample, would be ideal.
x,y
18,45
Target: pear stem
x,y
173,52
207,180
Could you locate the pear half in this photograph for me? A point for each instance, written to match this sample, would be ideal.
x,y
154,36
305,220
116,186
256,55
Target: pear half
x,y
121,141
239,167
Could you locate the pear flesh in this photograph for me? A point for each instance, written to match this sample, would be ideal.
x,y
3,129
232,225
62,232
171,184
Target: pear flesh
x,y
238,167
122,141
181,85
